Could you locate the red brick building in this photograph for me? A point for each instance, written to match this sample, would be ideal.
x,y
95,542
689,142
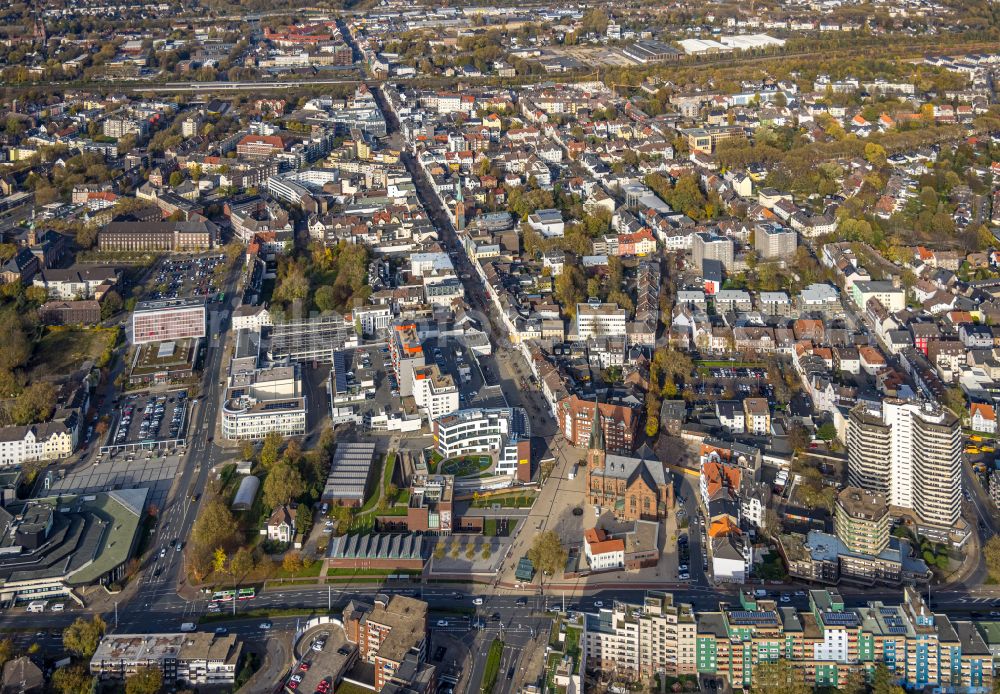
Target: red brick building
x,y
619,423
387,634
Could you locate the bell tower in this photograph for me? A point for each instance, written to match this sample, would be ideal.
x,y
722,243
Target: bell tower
x,y
595,451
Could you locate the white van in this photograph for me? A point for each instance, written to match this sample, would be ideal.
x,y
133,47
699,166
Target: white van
x,y
58,607
37,605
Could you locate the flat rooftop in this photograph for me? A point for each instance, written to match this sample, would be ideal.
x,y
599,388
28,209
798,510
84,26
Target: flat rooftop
x,y
169,304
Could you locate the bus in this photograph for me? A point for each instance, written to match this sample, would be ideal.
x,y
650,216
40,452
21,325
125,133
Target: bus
x,y
246,594
223,595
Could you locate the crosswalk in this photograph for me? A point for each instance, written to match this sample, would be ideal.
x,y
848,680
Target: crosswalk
x,y
966,600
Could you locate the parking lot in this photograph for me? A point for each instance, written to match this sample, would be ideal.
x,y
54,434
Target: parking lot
x,y
718,382
187,278
150,419
326,655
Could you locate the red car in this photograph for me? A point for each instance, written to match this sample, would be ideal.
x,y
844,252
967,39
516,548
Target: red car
x,y
304,667
323,687
292,684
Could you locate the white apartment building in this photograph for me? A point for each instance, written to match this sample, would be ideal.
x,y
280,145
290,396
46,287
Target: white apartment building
x,y
911,452
372,320
199,657
247,317
657,636
599,320
434,393
76,282
47,441
264,401
891,296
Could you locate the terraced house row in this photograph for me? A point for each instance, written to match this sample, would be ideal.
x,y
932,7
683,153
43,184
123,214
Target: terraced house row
x,y
824,643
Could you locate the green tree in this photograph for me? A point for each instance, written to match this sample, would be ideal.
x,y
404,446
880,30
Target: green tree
x,y
6,651
111,304
17,346
798,437
36,295
176,178
146,680
547,553
991,555
82,636
293,286
215,526
241,564
875,154
72,679
270,449
325,298
883,681
35,403
779,676
954,400
282,484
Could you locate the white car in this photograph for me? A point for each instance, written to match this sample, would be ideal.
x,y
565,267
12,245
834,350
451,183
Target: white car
x,y
264,626
442,622
684,576
477,601
784,598
598,603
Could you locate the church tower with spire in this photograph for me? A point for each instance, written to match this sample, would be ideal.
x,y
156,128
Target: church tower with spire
x,y
595,450
459,208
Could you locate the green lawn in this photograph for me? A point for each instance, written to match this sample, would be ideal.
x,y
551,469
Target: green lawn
x,y
386,477
492,667
466,466
310,571
387,471
64,350
516,500
371,572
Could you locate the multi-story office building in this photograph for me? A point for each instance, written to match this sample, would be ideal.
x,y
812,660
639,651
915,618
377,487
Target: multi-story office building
x,y
197,658
773,241
911,453
406,354
142,237
433,392
264,401
168,319
503,433
600,320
